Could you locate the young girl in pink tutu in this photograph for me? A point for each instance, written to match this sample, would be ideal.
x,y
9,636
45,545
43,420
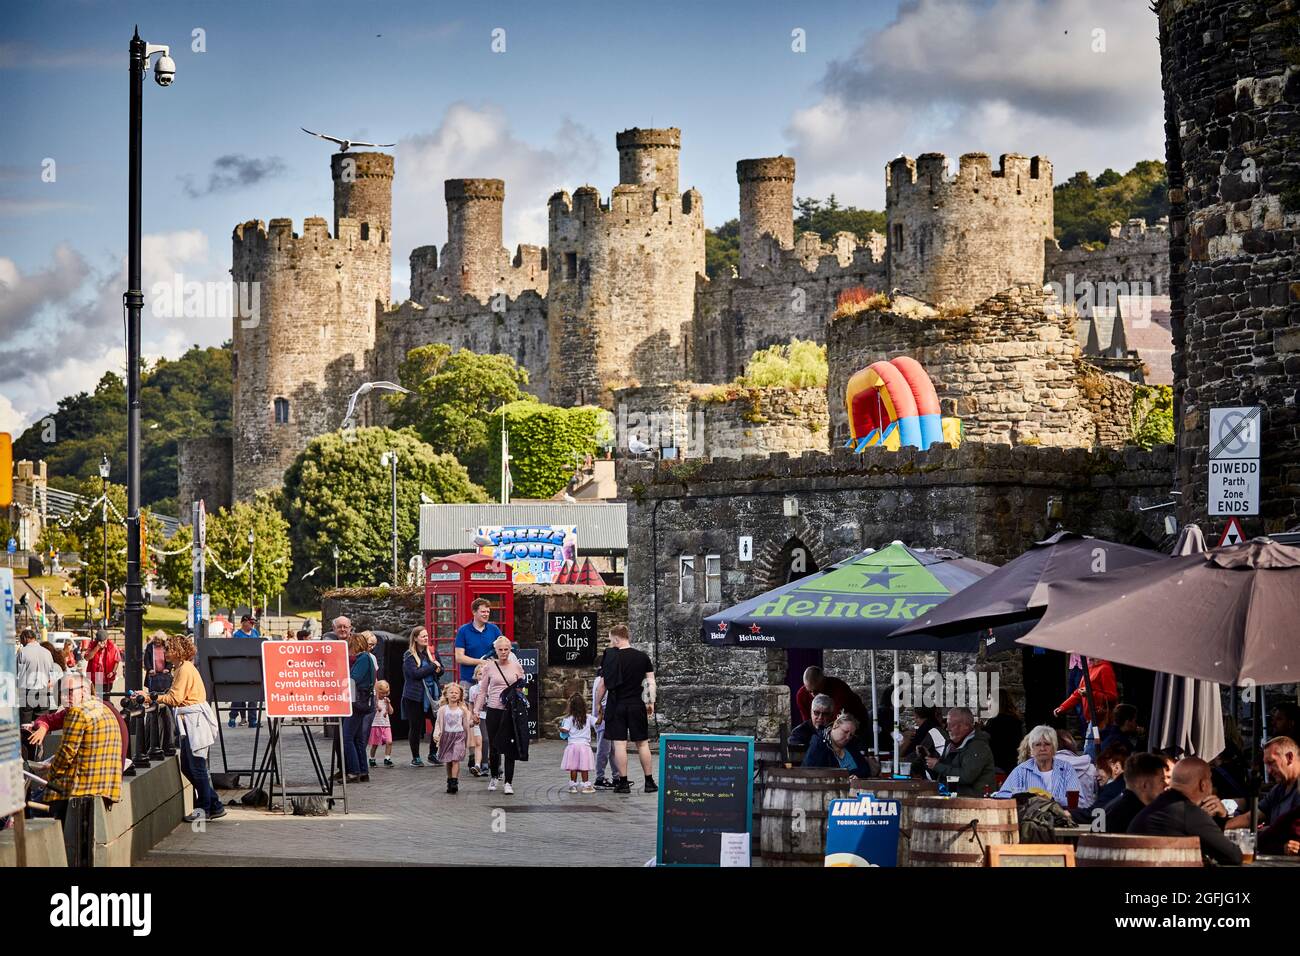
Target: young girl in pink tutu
x,y
576,727
451,731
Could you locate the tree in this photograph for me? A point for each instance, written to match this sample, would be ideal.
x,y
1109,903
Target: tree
x,y
1153,416
827,217
797,365
722,249
1085,207
228,567
546,443
453,394
176,570
85,529
338,494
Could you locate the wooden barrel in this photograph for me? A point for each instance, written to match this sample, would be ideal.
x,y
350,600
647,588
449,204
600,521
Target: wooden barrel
x,y
767,756
795,804
906,792
1119,849
956,831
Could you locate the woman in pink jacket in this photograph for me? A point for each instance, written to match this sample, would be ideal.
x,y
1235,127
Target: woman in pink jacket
x,y
498,675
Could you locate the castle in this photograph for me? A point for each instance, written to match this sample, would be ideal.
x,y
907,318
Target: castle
x,y
618,300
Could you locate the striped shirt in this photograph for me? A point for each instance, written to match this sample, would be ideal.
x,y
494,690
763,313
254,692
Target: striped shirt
x,y
1058,782
89,761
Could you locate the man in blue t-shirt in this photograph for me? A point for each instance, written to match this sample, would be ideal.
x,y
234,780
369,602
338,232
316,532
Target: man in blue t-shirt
x,y
249,711
474,647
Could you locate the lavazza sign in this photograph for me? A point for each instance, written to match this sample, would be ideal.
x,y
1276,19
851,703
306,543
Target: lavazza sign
x,y
1234,460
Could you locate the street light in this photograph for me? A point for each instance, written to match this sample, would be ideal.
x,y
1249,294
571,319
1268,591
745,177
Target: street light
x,y
251,538
133,300
364,389
389,458
103,508
336,567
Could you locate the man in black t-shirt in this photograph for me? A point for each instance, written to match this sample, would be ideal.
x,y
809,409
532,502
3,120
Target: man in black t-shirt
x,y
628,676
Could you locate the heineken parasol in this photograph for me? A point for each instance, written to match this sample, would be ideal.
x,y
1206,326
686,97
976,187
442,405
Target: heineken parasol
x,y
853,604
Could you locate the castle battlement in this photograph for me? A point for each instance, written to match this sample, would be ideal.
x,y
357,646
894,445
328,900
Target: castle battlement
x,y
626,202
1016,173
255,235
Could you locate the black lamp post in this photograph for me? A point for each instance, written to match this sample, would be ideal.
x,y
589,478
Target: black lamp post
x,y
103,511
133,300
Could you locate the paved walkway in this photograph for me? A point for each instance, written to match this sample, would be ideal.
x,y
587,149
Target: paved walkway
x,y
404,815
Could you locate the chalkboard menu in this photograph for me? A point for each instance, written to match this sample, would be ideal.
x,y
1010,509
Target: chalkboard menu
x,y
571,638
529,660
705,790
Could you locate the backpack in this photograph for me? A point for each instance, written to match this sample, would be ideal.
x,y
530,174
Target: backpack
x,y
1039,816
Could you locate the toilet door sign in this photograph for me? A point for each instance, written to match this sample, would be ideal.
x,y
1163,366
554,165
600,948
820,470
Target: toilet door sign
x,y
1234,460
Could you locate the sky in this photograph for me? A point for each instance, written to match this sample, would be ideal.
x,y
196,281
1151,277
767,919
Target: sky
x,y
532,93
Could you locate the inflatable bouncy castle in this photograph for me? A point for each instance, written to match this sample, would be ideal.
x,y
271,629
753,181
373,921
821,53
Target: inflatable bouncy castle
x,y
894,404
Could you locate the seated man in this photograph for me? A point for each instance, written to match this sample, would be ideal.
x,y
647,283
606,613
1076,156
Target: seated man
x,y
966,764
1178,812
815,682
1110,772
823,712
1123,728
1144,780
89,759
1280,807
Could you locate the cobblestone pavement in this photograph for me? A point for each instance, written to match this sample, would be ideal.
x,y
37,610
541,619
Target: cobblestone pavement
x,y
404,815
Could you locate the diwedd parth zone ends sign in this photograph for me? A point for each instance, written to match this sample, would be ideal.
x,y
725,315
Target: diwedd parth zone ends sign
x,y
306,679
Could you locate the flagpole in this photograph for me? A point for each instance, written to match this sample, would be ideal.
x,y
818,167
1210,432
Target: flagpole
x,y
875,708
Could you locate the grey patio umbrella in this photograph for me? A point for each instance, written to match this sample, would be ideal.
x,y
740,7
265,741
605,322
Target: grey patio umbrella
x,y
1187,713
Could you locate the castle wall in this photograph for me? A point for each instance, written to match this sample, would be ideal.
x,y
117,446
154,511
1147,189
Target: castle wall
x,y
987,501
621,293
704,421
1008,368
518,330
363,190
1231,89
649,157
766,209
1109,400
791,299
309,342
959,239
1137,255
203,468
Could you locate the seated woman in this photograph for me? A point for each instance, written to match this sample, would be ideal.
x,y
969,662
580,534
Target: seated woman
x,y
1044,770
837,748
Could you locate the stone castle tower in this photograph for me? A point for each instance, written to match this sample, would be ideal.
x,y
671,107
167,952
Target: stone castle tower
x,y
766,210
474,260
621,293
1231,89
956,240
301,356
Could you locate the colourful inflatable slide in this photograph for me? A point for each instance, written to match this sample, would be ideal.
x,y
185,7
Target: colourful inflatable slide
x,y
894,404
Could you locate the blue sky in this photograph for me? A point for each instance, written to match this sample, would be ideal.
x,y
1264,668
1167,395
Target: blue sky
x,y
222,144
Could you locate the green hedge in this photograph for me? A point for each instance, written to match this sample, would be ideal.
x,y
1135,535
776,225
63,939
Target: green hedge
x,y
545,444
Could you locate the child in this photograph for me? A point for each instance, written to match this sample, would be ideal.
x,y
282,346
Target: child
x,y
381,729
577,756
451,732
476,735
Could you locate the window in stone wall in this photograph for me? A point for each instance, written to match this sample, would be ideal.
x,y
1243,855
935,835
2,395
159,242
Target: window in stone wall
x,y
686,579
898,237
570,265
282,411
712,579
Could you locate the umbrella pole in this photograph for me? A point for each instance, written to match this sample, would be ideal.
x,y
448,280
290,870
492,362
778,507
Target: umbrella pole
x,y
1092,704
875,707
1257,735
894,697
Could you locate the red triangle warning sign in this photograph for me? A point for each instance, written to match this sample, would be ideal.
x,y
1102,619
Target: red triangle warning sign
x,y
1232,534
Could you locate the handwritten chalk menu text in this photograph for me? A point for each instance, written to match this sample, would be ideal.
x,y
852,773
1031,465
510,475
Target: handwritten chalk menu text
x,y
306,679
571,638
705,790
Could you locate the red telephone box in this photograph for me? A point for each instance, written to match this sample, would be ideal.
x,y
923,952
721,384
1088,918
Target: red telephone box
x,y
451,585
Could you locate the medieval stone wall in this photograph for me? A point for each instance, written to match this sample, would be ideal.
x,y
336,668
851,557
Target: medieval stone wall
x,y
705,421
1232,123
1109,400
203,474
519,330
958,239
987,501
1137,256
1007,368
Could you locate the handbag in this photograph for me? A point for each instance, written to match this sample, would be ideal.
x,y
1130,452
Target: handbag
x,y
363,698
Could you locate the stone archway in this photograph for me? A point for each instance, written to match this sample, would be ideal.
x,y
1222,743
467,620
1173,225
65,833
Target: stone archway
x,y
796,558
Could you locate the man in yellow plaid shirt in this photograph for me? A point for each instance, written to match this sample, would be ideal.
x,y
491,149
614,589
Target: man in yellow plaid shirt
x,y
89,760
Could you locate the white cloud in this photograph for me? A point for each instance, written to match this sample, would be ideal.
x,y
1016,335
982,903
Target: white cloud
x,y
64,328
10,420
477,143
956,76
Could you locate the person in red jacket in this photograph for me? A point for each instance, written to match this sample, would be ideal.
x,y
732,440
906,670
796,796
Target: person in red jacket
x,y
103,663
1104,690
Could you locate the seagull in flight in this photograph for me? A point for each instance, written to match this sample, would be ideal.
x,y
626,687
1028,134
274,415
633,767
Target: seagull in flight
x,y
345,144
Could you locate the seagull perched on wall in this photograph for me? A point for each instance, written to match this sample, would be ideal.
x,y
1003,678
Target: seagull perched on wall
x,y
345,144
